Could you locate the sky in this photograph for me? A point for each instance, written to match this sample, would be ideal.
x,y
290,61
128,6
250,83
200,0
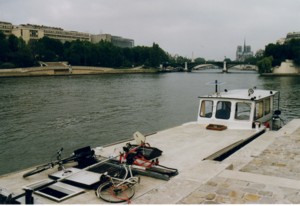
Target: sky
x,y
211,29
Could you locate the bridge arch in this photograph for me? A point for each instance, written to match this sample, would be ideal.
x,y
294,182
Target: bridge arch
x,y
224,65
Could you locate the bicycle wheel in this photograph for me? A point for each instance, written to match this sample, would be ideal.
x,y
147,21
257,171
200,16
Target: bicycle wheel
x,y
37,170
110,193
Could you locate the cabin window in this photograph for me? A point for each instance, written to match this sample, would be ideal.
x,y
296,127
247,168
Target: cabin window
x,y
223,110
242,111
206,108
259,110
267,106
262,108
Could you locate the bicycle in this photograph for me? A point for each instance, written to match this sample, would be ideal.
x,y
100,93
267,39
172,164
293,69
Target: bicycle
x,y
117,190
79,155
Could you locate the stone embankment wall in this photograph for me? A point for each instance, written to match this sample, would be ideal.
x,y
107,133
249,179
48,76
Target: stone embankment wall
x,y
66,70
286,67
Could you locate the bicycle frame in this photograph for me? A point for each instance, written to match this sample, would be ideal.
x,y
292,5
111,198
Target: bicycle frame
x,y
130,180
116,189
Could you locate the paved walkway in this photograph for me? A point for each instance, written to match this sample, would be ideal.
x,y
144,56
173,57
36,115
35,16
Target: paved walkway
x,y
266,171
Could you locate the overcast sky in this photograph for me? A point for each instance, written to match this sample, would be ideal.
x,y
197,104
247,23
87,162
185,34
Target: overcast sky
x,y
210,29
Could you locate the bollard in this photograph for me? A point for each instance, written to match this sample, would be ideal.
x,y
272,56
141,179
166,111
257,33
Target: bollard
x,y
28,197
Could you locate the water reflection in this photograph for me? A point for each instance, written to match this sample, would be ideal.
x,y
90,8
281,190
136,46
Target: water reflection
x,y
289,87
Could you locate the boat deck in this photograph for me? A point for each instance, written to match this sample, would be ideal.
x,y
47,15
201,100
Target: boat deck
x,y
264,171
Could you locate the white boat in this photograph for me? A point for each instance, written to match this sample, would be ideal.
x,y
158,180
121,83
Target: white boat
x,y
226,122
240,109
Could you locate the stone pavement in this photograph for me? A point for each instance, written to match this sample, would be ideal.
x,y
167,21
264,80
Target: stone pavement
x,y
266,171
232,191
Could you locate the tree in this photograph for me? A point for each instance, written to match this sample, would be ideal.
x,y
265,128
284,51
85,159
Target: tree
x,y
265,65
279,53
157,56
4,48
46,49
294,47
200,60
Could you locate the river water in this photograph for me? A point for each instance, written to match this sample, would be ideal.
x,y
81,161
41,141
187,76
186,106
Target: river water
x,y
39,115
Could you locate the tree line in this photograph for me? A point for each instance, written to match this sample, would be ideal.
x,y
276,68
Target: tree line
x,y
16,53
274,54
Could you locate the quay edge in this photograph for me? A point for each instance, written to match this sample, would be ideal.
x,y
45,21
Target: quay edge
x,y
74,70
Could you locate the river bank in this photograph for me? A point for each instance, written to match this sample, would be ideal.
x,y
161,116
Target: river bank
x,y
286,68
279,75
74,70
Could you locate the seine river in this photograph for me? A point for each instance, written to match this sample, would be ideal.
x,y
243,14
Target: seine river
x,y
39,115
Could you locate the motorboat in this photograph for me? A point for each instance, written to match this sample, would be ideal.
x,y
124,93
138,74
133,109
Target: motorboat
x,y
240,109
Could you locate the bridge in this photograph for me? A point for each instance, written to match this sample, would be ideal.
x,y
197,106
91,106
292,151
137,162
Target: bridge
x,y
190,66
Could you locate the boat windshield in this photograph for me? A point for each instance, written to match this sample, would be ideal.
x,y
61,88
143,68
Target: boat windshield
x,y
206,108
242,111
223,110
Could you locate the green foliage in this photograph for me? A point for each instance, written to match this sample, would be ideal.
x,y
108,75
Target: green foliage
x,y
265,65
103,54
294,47
200,60
288,50
4,48
46,49
14,52
252,60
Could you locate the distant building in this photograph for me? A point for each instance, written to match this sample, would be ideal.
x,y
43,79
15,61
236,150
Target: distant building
x,y
30,32
293,35
115,40
243,52
6,27
289,36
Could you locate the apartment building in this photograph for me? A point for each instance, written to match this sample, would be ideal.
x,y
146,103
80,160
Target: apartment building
x,y
31,31
6,27
289,36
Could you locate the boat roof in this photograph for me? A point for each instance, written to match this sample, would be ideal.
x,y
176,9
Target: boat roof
x,y
242,94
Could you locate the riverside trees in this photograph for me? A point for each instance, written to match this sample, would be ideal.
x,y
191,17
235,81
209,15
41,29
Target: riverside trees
x,y
15,53
274,54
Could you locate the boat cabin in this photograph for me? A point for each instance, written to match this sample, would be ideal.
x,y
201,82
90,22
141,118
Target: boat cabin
x,y
239,109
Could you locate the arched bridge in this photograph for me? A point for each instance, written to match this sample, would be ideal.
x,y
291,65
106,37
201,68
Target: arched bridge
x,y
190,66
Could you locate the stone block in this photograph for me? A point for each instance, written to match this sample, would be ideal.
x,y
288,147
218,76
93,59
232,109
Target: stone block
x,y
223,191
251,197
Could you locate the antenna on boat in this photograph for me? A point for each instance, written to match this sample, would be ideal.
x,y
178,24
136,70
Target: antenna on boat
x,y
216,83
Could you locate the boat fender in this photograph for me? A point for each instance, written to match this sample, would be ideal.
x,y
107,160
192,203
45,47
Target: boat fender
x,y
267,125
